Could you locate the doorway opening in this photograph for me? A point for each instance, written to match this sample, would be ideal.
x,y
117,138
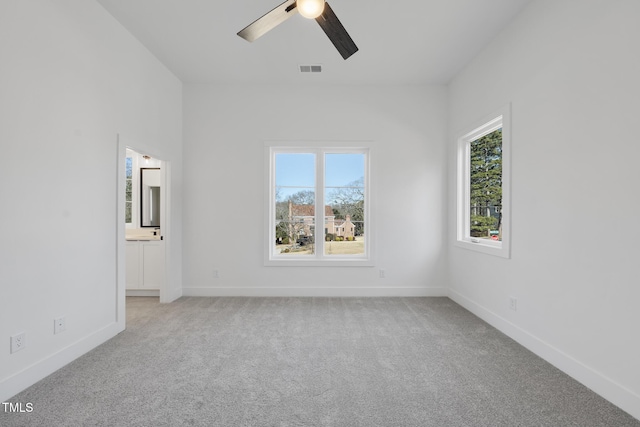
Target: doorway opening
x,y
144,246
142,225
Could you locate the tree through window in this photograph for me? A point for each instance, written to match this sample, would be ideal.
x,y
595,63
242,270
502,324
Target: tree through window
x,y
483,221
485,181
318,204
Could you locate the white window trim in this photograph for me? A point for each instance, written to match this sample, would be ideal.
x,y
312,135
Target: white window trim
x,y
501,118
319,259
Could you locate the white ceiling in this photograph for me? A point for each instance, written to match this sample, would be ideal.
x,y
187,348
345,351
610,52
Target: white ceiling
x,y
400,42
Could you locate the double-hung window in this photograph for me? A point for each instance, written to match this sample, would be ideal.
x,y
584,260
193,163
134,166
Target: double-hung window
x,y
483,217
318,205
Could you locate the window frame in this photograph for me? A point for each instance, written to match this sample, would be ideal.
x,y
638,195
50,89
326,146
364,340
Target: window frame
x,y
318,258
499,119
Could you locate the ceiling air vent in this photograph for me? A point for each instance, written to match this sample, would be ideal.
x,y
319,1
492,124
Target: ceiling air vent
x,y
311,68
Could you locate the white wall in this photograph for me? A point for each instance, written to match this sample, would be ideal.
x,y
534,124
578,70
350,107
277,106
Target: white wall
x,y
225,130
571,71
71,80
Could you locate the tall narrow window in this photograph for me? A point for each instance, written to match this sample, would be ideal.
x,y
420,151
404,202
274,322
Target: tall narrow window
x,y
483,186
128,207
318,206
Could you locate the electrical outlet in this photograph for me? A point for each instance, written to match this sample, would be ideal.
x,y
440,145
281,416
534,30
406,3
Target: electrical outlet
x,y
513,303
18,342
382,274
59,325
216,274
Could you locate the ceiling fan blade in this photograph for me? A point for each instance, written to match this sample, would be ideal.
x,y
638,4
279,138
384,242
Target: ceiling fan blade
x,y
336,32
269,21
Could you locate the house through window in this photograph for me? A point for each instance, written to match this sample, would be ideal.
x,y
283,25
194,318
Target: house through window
x,y
318,204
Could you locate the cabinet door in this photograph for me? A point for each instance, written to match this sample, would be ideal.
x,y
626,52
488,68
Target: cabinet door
x,y
132,255
152,264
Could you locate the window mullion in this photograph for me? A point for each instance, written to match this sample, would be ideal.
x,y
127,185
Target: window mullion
x,y
319,208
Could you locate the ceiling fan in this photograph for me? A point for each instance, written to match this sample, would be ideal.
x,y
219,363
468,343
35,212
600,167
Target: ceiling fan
x,y
312,9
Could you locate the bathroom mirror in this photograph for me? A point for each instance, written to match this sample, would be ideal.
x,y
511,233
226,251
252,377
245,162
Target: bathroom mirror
x,y
150,197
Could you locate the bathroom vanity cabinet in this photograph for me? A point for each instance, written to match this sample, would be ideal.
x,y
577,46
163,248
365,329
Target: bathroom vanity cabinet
x,y
145,264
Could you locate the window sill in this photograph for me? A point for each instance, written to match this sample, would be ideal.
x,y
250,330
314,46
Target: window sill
x,y
499,249
319,262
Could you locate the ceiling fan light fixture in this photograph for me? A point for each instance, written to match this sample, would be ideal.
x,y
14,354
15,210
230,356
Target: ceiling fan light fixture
x,y
310,9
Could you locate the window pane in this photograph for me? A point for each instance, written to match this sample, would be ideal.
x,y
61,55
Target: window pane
x,y
295,204
128,191
296,170
344,228
129,167
127,212
485,187
343,169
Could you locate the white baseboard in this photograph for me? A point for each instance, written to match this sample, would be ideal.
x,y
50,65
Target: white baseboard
x,y
174,295
617,394
16,383
314,292
142,293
